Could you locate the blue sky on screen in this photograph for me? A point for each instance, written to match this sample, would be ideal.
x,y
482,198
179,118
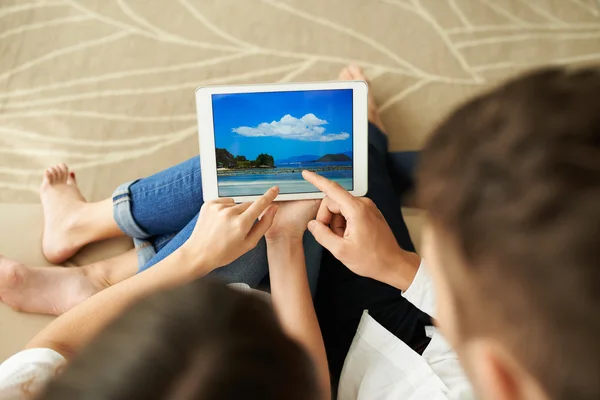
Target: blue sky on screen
x,y
284,124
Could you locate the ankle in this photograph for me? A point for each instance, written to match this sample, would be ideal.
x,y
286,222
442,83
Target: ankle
x,y
80,225
97,274
95,221
12,274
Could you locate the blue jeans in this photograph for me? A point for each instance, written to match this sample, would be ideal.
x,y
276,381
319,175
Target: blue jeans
x,y
160,213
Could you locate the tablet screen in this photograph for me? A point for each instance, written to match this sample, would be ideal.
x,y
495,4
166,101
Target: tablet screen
x,y
267,138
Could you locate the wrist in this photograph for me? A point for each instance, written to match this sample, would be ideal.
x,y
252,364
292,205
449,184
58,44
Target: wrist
x,y
284,239
403,270
196,263
285,253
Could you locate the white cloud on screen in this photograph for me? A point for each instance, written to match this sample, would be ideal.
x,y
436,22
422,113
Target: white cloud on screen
x,y
308,128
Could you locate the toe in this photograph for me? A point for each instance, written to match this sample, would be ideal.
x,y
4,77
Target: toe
x,y
48,176
357,72
71,180
55,174
51,175
345,75
63,171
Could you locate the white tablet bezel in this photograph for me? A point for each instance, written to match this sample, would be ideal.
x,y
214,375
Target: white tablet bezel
x,y
207,138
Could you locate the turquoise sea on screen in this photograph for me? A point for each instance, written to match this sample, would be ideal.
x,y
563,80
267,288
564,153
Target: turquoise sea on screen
x,y
287,176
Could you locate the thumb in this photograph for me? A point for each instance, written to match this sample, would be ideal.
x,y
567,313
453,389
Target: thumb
x,y
326,237
261,227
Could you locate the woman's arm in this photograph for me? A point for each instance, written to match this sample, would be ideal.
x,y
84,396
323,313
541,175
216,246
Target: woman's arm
x,y
74,329
224,232
293,302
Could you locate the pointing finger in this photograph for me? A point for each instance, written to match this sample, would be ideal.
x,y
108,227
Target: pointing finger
x,y
256,209
223,200
333,190
240,208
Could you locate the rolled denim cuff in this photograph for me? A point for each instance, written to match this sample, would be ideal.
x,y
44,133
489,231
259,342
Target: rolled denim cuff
x,y
122,212
145,251
124,218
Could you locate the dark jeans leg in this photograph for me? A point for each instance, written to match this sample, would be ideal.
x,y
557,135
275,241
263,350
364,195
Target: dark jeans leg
x,y
342,296
401,167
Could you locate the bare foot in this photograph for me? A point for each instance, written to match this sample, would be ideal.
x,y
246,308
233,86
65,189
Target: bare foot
x,y
355,73
44,290
62,203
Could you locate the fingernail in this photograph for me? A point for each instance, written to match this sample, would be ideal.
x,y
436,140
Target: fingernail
x,y
312,224
72,174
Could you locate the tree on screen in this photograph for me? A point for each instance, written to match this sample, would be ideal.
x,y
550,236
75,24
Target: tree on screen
x,y
224,158
264,160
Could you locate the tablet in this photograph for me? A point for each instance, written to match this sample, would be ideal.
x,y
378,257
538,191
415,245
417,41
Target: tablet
x,y
253,137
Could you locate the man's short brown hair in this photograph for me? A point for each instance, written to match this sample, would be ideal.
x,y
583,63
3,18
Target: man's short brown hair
x,y
513,177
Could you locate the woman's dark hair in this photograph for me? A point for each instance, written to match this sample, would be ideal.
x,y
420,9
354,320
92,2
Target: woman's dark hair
x,y
201,341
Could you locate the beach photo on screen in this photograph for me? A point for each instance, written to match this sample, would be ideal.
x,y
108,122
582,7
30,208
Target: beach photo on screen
x,y
267,139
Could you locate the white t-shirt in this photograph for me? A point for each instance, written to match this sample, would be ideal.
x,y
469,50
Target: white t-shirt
x,y
379,366
26,374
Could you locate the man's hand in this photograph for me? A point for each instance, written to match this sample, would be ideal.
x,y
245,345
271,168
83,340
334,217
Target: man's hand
x,y
226,230
355,232
292,218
